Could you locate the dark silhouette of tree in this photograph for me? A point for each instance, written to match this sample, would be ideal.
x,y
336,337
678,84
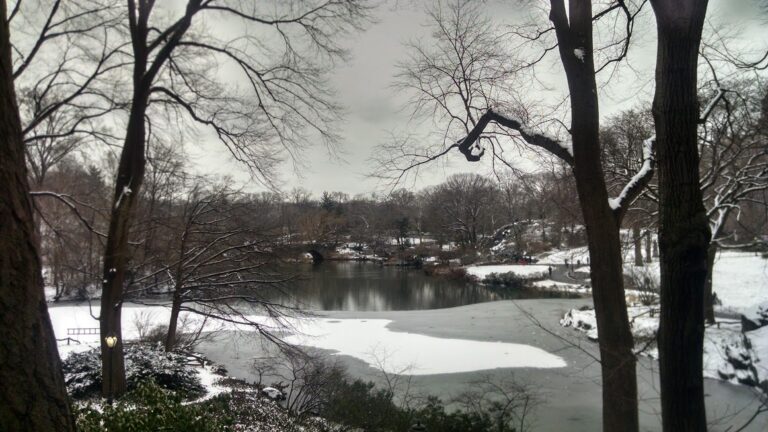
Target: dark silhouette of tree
x,y
288,96
466,79
684,231
32,394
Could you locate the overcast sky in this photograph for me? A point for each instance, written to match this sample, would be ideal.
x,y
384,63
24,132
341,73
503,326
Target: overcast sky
x,y
374,109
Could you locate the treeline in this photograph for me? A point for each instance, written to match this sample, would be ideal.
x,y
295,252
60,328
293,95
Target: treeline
x,y
181,214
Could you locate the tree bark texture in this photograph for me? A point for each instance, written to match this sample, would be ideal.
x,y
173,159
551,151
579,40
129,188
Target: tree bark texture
x,y
709,297
637,241
574,33
648,242
684,231
32,392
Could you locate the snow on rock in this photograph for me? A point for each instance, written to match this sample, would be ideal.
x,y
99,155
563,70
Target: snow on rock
x,y
522,271
729,354
741,358
583,320
755,317
273,393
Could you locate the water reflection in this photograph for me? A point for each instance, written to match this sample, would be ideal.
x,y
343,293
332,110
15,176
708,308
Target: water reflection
x,y
360,286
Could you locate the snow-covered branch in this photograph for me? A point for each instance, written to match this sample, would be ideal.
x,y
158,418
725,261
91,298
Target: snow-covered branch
x,y
711,105
67,200
472,151
639,181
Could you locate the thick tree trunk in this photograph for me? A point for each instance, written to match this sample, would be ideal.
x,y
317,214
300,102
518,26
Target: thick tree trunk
x,y
709,305
32,393
684,231
637,240
620,411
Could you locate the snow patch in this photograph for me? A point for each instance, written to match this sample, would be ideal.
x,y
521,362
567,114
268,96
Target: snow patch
x,y
371,340
580,53
523,271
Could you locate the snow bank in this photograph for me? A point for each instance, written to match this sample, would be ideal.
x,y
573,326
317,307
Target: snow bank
x,y
523,271
724,345
550,285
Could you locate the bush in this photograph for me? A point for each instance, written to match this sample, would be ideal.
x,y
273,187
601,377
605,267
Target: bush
x,y
151,408
647,285
82,371
359,404
506,280
455,273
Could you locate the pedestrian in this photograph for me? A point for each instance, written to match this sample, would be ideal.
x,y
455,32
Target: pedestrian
x,y
550,271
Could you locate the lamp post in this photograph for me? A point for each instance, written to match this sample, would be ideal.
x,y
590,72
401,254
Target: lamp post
x,y
111,341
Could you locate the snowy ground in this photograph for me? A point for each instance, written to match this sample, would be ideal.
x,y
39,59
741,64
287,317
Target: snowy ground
x,y
523,271
740,279
362,339
550,285
560,256
718,341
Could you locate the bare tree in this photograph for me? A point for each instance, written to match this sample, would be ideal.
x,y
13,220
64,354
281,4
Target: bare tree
x,y
466,207
460,87
506,400
734,165
69,54
171,74
220,261
33,396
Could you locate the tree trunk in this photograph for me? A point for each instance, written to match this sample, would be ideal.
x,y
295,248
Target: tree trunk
x,y
637,240
620,411
32,394
684,231
709,298
170,338
129,177
648,242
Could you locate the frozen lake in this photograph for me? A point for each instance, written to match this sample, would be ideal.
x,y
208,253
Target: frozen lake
x,y
445,333
571,391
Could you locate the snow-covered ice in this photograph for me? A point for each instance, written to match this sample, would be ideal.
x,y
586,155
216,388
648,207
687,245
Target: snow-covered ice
x,y
371,341
366,340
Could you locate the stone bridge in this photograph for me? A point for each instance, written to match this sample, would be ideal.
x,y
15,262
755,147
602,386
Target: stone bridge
x,y
318,251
